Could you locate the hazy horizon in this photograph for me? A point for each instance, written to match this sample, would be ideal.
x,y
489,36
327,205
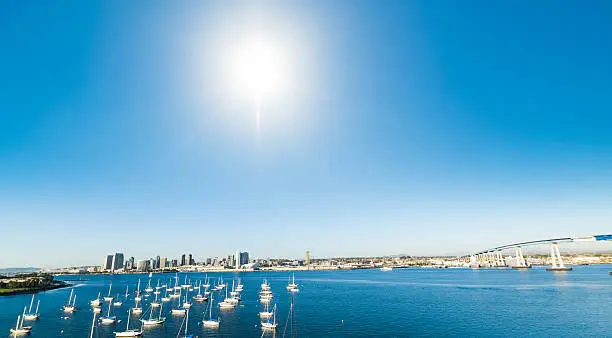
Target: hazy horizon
x,y
346,129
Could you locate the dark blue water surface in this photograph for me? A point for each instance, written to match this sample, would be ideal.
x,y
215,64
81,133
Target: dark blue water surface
x,y
364,303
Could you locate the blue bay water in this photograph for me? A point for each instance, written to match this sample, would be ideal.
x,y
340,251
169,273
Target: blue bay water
x,y
363,303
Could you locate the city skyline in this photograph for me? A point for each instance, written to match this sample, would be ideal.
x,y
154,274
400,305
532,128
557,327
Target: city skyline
x,y
423,128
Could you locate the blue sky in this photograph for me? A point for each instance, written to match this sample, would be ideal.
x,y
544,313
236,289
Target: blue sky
x,y
420,127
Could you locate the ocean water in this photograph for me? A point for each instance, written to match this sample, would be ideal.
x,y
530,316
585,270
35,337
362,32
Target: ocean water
x,y
362,303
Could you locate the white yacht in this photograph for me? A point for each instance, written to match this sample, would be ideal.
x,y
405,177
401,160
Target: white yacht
x,y
32,315
129,332
210,322
291,284
97,301
109,298
270,325
19,329
70,306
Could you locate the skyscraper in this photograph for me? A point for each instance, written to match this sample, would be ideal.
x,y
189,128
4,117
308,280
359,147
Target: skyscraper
x,y
157,262
108,263
182,259
117,261
190,260
239,259
142,265
163,262
307,260
174,263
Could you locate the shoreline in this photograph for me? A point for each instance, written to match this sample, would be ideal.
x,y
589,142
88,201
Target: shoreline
x,y
56,285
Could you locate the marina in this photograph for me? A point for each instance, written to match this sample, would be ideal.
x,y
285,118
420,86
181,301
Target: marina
x,y
330,303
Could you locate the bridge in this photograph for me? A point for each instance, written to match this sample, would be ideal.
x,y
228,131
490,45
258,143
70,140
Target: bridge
x,y
493,257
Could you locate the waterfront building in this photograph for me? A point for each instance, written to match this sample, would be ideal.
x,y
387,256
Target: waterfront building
x,y
183,259
208,261
174,263
108,263
143,265
307,260
157,262
239,259
163,262
190,260
117,261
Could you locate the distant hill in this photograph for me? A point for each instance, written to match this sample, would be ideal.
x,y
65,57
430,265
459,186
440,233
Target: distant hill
x,y
14,271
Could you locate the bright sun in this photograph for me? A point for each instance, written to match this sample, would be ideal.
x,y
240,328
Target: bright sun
x,y
258,68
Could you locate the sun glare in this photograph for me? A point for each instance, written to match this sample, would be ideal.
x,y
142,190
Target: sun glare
x,y
257,68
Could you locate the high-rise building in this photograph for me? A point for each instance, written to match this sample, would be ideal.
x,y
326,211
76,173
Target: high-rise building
x,y
183,259
239,259
190,260
307,260
157,262
151,263
231,261
117,261
174,263
208,261
108,263
163,262
143,265
131,264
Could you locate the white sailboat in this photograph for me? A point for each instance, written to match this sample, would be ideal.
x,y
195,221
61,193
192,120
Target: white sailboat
x,y
117,302
199,298
97,301
19,328
291,284
32,315
109,298
239,287
129,332
70,306
154,321
265,314
270,325
265,286
186,302
225,304
138,296
178,310
165,298
108,319
136,309
210,322
149,288
155,303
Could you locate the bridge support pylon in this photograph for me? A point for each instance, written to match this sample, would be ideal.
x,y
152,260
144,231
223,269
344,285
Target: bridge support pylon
x,y
556,261
520,262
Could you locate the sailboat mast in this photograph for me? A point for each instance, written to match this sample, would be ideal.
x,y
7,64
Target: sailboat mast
x,y
31,303
127,327
93,322
22,317
37,305
74,300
